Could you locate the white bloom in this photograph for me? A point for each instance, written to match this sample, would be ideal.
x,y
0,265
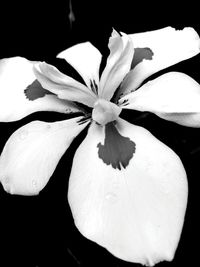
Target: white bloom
x,y
127,190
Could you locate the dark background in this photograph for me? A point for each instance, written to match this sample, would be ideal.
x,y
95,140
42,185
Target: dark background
x,y
39,231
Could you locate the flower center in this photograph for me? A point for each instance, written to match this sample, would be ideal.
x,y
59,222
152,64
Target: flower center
x,y
105,111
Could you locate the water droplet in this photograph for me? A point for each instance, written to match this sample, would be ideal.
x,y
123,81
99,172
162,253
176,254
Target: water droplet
x,y
111,197
23,135
149,262
8,188
34,183
116,184
6,180
48,126
166,190
68,110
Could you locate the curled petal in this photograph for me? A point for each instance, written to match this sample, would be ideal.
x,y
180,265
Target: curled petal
x,y
21,93
173,96
168,47
118,64
134,205
62,85
86,59
32,153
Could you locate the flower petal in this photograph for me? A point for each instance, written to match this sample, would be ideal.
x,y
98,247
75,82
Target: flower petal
x,y
118,64
31,154
62,85
85,59
21,94
173,96
137,211
168,47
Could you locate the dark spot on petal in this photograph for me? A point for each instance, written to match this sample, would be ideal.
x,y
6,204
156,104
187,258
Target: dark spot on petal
x,y
35,91
117,149
140,54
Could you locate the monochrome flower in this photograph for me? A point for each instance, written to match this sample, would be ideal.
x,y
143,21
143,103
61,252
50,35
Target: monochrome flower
x,y
127,190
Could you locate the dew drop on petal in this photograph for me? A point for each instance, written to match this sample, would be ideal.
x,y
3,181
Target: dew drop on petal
x,y
115,185
6,185
68,110
23,135
6,180
166,192
34,183
111,197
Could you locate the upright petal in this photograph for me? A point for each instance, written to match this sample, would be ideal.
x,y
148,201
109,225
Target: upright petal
x,y
168,47
31,154
86,59
173,96
21,93
62,85
134,205
117,66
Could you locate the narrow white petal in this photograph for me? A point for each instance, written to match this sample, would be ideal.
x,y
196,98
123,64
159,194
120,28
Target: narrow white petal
x,y
86,59
173,96
136,212
117,66
21,93
168,47
62,85
31,154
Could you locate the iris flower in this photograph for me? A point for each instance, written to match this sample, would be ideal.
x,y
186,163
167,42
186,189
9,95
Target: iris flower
x,y
127,190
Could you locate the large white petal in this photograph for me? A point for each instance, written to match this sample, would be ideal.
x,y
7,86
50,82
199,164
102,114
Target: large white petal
x,y
31,154
117,66
16,77
137,213
86,59
62,85
173,96
169,46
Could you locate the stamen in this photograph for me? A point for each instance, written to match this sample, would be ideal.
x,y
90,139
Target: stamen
x,y
94,86
105,111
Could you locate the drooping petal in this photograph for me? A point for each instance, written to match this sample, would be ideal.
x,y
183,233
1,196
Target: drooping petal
x,y
31,154
21,93
62,85
134,205
167,46
118,64
173,96
86,59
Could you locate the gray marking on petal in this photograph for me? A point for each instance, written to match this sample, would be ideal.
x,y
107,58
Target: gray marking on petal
x,y
140,54
117,150
35,91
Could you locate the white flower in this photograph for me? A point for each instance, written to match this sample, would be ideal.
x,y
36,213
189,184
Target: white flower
x,y
127,190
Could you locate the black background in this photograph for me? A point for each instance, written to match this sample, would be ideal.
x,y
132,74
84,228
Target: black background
x,y
39,231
